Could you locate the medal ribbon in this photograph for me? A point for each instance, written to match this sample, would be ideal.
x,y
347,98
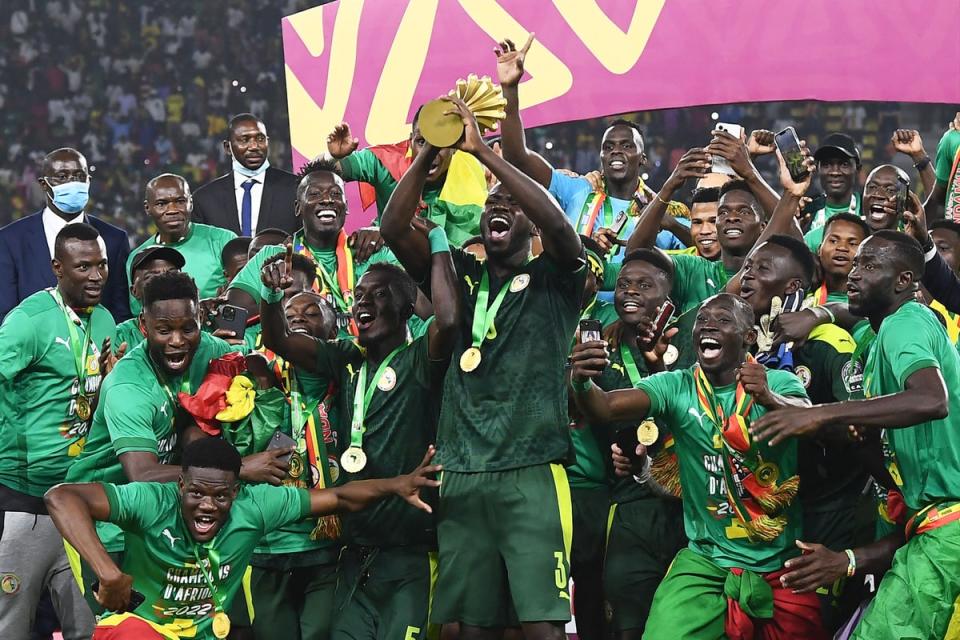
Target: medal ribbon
x,y
952,211
79,347
341,287
751,483
363,395
214,558
482,315
630,364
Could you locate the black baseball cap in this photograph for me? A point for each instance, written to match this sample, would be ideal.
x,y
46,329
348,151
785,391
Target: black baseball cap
x,y
838,143
157,252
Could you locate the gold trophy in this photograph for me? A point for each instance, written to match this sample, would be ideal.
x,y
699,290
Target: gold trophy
x,y
484,99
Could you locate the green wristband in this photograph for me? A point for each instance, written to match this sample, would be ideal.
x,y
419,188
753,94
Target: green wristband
x,y
438,241
581,387
270,296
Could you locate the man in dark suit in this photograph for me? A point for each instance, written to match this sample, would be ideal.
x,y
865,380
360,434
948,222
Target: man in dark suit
x,y
26,246
254,195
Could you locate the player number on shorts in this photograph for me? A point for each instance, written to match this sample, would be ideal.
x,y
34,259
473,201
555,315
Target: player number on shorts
x,y
560,575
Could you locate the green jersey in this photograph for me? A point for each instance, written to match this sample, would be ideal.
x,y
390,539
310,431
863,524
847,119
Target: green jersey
x,y
927,454
141,418
946,155
682,352
201,250
162,557
710,523
814,237
248,279
400,423
695,279
40,428
129,331
511,410
460,221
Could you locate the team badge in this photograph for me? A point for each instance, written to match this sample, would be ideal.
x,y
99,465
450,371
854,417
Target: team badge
x,y
852,374
519,282
805,376
670,355
9,583
388,380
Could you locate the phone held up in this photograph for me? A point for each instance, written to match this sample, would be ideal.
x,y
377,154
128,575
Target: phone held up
x,y
789,145
590,331
720,165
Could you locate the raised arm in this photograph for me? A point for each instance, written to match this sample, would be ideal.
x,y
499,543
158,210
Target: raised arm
x,y
299,349
588,361
443,293
409,245
938,278
74,508
357,495
512,138
694,164
340,144
736,153
909,143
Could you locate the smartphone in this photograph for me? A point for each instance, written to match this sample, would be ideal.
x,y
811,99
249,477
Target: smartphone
x,y
591,331
136,598
903,195
619,223
663,317
231,318
280,440
720,165
627,441
789,145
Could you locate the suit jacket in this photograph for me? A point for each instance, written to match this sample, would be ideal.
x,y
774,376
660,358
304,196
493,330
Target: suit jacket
x,y
215,203
942,283
25,264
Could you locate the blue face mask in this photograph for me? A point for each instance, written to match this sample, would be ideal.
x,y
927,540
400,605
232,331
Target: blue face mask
x,y
249,173
70,197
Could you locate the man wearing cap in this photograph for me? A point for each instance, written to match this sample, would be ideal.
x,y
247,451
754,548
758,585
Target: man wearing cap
x,y
146,264
838,161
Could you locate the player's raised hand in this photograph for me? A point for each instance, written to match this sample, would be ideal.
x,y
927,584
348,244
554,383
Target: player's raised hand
x,y
510,61
340,142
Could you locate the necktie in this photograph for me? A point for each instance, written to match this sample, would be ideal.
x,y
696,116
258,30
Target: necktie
x,y
246,209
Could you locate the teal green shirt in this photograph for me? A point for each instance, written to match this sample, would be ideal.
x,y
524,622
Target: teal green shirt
x,y
129,331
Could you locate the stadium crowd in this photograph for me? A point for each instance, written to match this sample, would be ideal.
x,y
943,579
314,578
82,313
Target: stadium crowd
x,y
722,408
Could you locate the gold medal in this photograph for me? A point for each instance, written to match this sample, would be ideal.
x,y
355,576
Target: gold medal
x,y
670,355
353,460
767,474
83,408
221,624
647,433
470,359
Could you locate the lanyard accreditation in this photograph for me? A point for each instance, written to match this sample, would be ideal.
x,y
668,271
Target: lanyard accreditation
x,y
79,348
354,459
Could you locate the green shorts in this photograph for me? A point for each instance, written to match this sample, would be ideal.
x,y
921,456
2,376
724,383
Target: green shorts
x,y
287,595
384,594
504,540
643,538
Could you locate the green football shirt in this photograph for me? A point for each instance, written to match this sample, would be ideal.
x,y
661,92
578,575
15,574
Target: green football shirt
x,y
40,430
161,556
201,250
511,411
136,414
928,454
129,331
695,279
400,424
460,222
814,237
711,526
248,279
946,155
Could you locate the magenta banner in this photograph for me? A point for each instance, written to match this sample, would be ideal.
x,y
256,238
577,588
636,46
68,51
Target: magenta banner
x,y
372,62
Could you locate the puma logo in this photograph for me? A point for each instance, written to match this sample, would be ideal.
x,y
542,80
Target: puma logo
x,y
696,414
60,340
170,537
470,283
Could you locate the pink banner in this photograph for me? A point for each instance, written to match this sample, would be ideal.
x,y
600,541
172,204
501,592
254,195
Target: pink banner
x,y
372,62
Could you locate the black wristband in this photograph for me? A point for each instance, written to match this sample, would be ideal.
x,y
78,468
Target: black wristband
x,y
920,166
928,245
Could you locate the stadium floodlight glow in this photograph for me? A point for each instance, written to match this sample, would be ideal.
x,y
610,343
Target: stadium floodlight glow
x,y
93,168
235,82
714,116
645,176
549,145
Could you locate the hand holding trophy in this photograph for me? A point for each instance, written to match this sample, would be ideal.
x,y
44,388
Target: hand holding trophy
x,y
484,99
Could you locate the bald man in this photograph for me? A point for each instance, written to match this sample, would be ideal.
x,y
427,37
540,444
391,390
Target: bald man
x,y
26,246
169,203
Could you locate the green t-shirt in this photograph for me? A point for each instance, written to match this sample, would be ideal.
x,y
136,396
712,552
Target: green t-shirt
x,y
946,155
39,427
400,424
686,352
511,411
928,454
248,279
711,526
814,237
589,468
201,250
129,331
695,279
460,222
161,556
136,414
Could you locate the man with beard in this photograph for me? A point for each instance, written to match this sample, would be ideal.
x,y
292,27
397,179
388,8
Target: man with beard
x,y
388,394
503,421
322,209
910,367
54,348
169,204
140,421
191,540
738,493
147,263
